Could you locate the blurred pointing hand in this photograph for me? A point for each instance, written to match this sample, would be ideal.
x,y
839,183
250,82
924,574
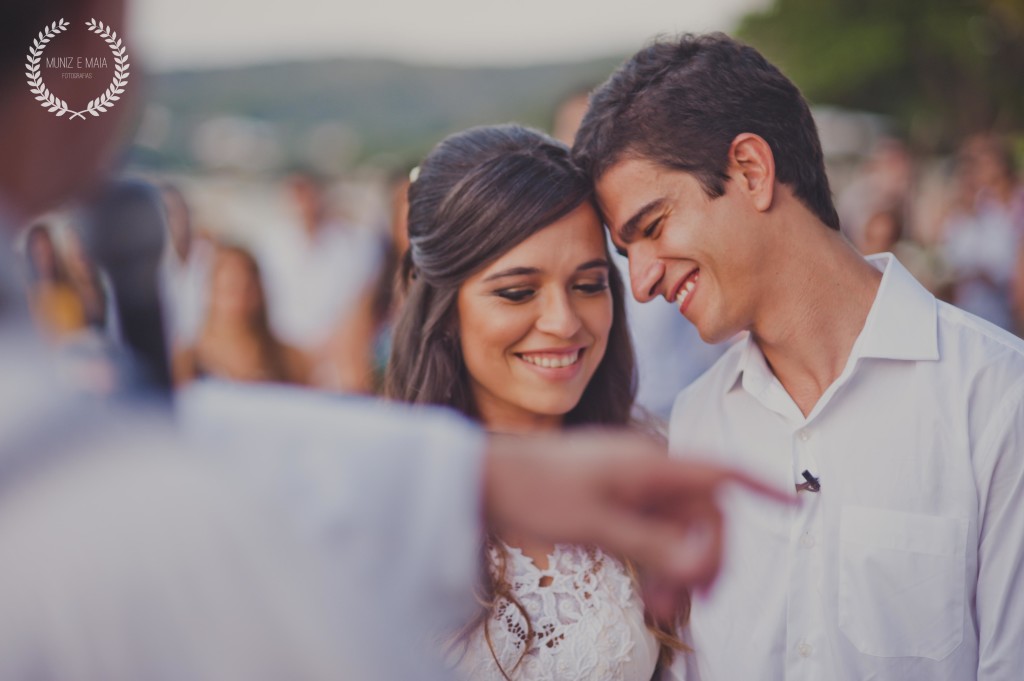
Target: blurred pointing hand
x,y
618,490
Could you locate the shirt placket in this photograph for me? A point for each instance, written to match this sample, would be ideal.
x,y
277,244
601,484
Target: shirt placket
x,y
805,632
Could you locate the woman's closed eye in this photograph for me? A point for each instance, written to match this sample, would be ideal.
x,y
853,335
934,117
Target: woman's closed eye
x,y
592,287
515,295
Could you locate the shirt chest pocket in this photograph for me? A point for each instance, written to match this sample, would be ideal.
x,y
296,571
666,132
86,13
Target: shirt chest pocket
x,y
901,582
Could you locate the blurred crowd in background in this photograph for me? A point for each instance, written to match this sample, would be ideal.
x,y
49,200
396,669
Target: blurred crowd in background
x,y
292,278
282,187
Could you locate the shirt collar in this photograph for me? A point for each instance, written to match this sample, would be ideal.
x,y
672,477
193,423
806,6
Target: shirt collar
x,y
902,325
752,367
903,321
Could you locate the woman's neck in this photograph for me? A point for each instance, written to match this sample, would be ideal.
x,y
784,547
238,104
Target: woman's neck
x,y
520,422
523,427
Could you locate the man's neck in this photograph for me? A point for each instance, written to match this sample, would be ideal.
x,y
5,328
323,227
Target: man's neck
x,y
817,311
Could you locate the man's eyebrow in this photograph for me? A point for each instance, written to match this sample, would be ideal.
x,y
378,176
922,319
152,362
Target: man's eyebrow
x,y
628,231
513,272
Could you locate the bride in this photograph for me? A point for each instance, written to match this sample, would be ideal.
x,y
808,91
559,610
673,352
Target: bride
x,y
515,317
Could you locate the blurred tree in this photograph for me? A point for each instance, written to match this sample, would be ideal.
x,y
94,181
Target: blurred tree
x,y
939,68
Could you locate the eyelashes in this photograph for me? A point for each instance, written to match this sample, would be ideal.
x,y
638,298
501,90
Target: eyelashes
x,y
649,231
596,287
647,234
519,295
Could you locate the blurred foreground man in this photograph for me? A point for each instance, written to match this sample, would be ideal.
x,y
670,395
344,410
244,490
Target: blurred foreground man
x,y
899,419
296,536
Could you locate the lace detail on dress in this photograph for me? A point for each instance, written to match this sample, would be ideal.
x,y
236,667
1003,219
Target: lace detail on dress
x,y
587,623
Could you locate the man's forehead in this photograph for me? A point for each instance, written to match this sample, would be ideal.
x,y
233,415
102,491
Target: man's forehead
x,y
625,188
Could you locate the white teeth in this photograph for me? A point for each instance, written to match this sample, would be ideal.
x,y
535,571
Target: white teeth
x,y
687,289
552,362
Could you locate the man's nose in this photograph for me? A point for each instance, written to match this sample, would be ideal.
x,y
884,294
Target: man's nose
x,y
645,275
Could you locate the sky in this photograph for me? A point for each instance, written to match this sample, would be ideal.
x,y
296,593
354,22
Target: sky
x,y
175,34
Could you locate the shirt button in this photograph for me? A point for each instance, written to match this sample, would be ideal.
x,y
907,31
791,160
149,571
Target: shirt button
x,y
807,541
805,435
805,649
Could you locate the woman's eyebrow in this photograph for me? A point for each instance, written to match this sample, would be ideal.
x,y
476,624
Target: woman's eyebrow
x,y
513,272
597,263
525,271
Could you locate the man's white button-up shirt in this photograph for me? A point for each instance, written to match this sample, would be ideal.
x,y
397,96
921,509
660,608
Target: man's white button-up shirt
x,y
909,562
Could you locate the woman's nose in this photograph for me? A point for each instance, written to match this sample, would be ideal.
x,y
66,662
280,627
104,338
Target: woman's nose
x,y
559,317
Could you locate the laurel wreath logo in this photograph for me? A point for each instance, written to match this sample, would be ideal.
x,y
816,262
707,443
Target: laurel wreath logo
x,y
58,106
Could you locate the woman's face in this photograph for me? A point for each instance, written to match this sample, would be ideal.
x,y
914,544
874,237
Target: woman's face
x,y
533,324
235,292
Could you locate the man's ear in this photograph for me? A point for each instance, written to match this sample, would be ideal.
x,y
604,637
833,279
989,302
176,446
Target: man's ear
x,y
752,165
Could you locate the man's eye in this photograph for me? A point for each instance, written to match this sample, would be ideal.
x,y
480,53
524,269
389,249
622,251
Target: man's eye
x,y
649,232
516,295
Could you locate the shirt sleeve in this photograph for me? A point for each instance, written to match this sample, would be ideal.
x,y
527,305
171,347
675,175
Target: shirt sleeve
x,y
390,494
1000,588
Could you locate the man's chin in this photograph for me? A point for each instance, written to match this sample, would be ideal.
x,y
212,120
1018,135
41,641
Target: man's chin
x,y
712,334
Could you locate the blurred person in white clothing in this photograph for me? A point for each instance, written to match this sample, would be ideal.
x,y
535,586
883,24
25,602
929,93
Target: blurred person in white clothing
x,y
188,262
985,232
883,182
316,272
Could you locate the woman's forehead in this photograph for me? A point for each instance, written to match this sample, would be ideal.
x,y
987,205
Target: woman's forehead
x,y
563,246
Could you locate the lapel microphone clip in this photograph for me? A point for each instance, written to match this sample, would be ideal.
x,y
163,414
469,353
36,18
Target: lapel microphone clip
x,y
812,484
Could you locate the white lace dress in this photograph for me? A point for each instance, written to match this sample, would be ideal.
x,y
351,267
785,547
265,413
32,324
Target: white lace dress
x,y
588,623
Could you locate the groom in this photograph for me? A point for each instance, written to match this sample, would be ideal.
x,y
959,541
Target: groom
x,y
899,419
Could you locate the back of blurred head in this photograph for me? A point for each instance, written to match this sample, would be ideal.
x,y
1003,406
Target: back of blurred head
x,y
47,159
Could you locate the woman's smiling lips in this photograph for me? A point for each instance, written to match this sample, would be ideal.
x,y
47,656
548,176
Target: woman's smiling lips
x,y
554,363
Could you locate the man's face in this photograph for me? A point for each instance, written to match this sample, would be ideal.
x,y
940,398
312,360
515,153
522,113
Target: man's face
x,y
703,255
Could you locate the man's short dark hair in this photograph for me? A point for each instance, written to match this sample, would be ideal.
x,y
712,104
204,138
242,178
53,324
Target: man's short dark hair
x,y
681,103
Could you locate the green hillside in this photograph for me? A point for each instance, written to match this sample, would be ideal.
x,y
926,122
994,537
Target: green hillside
x,y
393,108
